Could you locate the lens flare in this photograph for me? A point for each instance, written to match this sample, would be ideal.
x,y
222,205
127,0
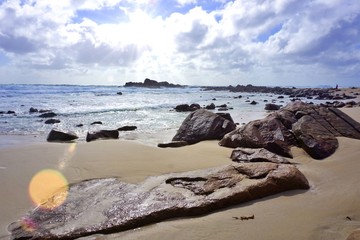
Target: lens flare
x,y
48,189
68,154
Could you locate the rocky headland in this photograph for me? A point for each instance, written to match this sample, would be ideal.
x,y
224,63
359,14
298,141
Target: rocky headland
x,y
148,83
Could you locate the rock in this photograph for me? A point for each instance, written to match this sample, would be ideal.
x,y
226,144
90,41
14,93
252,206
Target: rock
x,y
256,155
10,112
226,116
48,115
148,83
127,128
311,127
96,123
203,125
280,97
253,103
173,144
102,134
44,110
355,235
187,108
315,139
211,106
269,133
58,136
52,121
119,93
109,205
33,110
80,125
271,106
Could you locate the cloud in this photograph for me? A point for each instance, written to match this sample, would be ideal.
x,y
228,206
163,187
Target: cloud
x,y
237,40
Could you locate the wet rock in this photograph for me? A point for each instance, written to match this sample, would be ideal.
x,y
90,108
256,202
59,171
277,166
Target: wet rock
x,y
10,112
119,93
80,125
187,107
173,144
33,110
96,123
127,128
59,136
109,205
52,121
44,110
48,115
102,134
254,102
256,155
211,106
203,125
271,107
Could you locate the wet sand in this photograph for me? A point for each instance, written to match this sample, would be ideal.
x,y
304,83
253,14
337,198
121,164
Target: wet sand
x,y
319,213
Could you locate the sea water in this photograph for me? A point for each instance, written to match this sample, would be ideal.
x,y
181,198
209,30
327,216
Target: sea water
x,y
151,110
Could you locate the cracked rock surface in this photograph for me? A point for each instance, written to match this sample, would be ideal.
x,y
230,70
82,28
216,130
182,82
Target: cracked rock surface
x,y
109,205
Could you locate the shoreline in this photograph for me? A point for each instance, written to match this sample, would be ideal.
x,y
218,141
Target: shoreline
x,y
319,213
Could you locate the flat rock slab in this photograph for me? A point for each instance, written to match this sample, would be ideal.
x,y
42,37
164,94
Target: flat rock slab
x,y
109,205
256,155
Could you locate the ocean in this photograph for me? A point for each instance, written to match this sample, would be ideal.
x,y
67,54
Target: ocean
x,y
151,110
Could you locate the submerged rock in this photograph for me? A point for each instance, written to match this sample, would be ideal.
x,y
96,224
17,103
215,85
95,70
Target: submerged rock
x,y
48,115
52,121
109,205
203,125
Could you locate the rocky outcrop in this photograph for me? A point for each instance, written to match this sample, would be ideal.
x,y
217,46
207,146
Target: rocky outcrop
x,y
102,134
148,83
314,128
59,136
109,205
203,125
256,155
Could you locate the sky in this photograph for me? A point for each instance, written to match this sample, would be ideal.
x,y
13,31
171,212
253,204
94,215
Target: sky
x,y
190,42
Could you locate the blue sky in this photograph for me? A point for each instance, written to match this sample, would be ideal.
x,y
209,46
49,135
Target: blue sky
x,y
195,42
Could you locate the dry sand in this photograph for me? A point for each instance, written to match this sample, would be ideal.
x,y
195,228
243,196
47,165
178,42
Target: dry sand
x,y
319,213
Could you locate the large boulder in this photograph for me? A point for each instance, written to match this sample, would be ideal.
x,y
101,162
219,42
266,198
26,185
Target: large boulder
x,y
59,136
314,128
102,134
109,205
315,139
203,125
269,133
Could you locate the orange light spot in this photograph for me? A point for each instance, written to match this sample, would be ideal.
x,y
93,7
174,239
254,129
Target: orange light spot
x,y
48,189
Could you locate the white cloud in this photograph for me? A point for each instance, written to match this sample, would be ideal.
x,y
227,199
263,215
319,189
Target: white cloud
x,y
242,41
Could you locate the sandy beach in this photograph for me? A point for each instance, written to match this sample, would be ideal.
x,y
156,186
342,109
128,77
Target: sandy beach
x,y
329,210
